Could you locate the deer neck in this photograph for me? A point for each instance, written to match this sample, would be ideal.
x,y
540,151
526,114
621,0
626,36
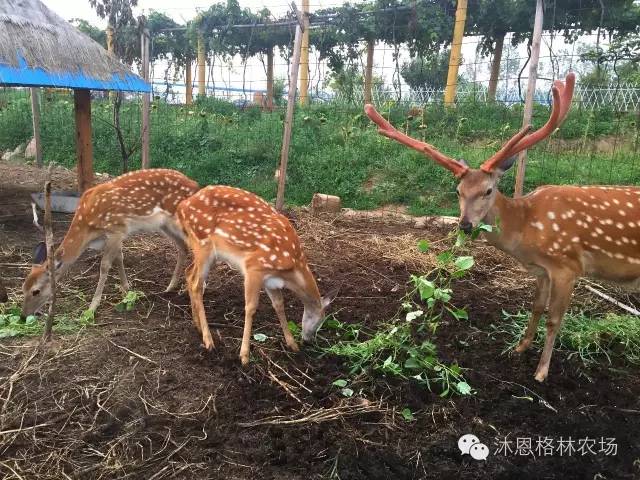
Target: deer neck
x,y
507,215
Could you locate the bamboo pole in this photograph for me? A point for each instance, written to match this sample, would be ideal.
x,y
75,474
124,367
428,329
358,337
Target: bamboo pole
x,y
146,100
456,49
35,117
495,67
531,88
48,237
188,83
270,80
288,121
368,73
304,55
201,67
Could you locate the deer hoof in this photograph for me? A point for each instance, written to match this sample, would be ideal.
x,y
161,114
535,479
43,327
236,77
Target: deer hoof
x,y
541,376
244,359
523,346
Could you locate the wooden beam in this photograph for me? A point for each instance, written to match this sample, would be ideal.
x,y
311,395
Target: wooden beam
x,y
456,49
35,117
288,121
536,40
146,101
84,145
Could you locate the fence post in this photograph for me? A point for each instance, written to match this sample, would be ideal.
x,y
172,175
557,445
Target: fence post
x,y
201,66
35,116
291,103
84,147
304,55
368,73
146,98
531,88
456,48
188,83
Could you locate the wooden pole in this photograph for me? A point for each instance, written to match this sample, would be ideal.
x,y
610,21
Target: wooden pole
x,y
201,67
110,49
48,238
495,67
304,55
288,121
456,49
270,80
84,147
368,73
146,100
531,88
188,83
35,116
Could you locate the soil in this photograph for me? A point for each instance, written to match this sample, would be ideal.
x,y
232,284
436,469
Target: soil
x,y
137,397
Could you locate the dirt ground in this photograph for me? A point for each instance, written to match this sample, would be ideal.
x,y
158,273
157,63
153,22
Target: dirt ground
x,y
137,397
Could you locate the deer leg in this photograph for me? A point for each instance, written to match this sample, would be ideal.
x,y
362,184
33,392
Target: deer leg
x,y
124,283
113,245
195,276
183,253
561,288
539,306
278,305
252,284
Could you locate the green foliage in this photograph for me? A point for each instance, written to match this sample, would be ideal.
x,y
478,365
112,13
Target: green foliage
x,y
128,303
12,326
587,337
429,71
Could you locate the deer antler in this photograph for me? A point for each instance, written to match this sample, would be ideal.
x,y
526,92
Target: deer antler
x,y
386,129
562,94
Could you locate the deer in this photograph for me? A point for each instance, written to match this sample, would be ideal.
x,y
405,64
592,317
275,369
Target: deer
x,y
138,201
559,233
244,231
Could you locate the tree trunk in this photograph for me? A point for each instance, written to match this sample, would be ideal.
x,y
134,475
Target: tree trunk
x,y
270,80
495,67
368,74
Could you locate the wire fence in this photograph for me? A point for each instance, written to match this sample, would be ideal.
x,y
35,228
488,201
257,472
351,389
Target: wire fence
x,y
229,136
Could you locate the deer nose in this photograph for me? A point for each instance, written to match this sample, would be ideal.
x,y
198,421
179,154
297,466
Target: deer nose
x,y
466,226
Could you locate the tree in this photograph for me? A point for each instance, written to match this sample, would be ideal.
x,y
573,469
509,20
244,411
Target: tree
x,y
91,31
428,71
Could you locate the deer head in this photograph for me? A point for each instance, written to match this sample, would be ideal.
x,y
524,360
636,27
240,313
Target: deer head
x,y
477,188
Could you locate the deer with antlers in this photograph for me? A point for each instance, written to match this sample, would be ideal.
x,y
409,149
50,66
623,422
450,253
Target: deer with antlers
x,y
140,201
558,233
244,231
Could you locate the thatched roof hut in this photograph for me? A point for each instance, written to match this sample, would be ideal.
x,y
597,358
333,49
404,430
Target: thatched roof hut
x,y
40,49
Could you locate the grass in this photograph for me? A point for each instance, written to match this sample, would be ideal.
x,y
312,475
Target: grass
x,y
335,149
590,338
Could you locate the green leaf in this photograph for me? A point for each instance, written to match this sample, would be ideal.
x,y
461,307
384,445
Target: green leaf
x,y
464,388
464,263
294,328
425,288
445,257
460,238
424,245
260,337
412,363
407,415
347,392
459,313
341,382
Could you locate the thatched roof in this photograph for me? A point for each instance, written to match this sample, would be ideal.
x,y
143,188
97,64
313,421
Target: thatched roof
x,y
38,48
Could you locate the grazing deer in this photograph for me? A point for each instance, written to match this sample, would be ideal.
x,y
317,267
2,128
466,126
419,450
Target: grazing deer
x,y
140,201
244,231
559,233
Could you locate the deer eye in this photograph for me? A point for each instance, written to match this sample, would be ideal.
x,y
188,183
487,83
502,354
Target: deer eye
x,y
457,192
35,292
488,192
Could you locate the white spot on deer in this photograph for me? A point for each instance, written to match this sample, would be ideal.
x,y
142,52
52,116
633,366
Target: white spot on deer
x,y
599,231
537,225
620,225
575,239
555,227
625,239
622,212
608,238
551,215
222,233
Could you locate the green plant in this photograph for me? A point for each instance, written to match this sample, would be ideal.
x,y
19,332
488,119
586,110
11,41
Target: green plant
x,y
129,301
11,325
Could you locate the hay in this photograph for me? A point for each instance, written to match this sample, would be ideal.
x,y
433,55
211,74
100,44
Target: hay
x,y
29,30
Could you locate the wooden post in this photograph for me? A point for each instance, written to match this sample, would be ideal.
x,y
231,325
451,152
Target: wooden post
x,y
270,80
146,100
288,121
531,88
188,83
456,48
495,67
84,146
201,67
110,49
368,73
304,55
35,116
48,238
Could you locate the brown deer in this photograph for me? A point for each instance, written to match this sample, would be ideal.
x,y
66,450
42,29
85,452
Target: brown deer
x,y
140,201
244,231
558,233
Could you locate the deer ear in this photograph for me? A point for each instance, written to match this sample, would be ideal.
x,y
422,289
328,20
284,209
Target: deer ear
x,y
330,297
40,253
506,164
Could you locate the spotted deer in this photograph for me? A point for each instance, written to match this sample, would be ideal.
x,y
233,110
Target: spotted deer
x,y
558,233
244,231
140,201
